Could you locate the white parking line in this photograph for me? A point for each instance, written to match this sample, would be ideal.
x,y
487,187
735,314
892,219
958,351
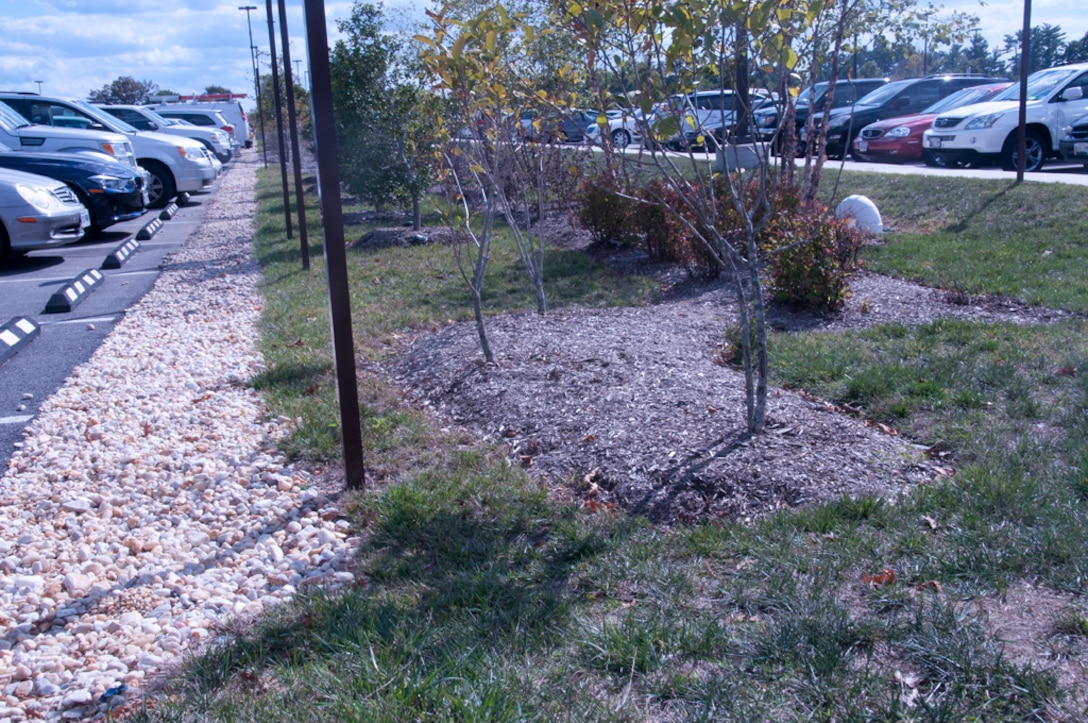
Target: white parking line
x,y
21,419
85,320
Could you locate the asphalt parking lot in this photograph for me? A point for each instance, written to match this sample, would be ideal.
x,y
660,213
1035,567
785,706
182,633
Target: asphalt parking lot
x,y
73,311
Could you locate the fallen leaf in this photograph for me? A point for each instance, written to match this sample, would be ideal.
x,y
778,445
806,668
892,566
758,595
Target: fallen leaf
x,y
886,577
933,584
1066,372
710,409
931,522
296,342
886,429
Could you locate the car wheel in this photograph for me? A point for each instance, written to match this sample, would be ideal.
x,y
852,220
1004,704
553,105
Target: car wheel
x,y
5,244
621,139
161,188
1035,152
933,161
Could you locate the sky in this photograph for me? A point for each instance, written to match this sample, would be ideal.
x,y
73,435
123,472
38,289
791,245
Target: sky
x,y
76,46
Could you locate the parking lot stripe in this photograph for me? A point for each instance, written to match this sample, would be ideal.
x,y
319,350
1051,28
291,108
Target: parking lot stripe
x,y
21,419
84,320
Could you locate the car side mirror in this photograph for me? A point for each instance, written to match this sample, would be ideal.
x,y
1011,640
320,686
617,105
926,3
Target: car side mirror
x,y
1075,92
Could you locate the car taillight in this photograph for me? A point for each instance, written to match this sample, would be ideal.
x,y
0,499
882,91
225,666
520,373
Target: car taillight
x,y
229,129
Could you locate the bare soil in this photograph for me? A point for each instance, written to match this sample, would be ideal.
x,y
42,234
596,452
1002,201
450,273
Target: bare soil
x,y
634,407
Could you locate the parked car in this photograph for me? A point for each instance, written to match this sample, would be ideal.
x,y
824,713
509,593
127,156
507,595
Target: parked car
x,y
145,119
111,191
900,139
203,117
176,164
556,126
623,129
896,99
227,105
1074,141
37,212
705,118
21,134
814,99
988,132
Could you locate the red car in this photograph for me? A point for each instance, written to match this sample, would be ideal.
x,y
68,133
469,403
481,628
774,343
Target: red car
x,y
900,139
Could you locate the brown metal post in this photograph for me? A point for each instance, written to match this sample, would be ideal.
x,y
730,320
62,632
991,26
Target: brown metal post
x,y
332,224
292,127
1025,61
279,121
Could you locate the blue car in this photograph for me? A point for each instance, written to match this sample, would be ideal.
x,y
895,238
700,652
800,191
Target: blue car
x,y
111,191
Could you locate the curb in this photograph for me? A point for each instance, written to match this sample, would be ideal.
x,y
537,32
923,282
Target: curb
x,y
15,334
149,230
120,254
169,212
74,292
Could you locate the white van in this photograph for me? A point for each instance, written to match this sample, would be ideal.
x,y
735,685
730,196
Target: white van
x,y
227,104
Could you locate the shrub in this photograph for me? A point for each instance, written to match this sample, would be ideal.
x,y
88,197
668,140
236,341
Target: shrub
x,y
667,237
608,216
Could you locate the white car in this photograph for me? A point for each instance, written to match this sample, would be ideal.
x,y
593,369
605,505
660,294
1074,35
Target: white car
x,y
145,119
987,132
38,212
624,128
23,134
176,164
203,117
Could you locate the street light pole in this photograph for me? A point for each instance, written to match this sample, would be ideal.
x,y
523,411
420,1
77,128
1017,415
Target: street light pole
x,y
256,80
39,82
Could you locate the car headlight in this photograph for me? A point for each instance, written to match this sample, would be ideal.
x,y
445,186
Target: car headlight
x,y
766,121
121,151
39,197
114,183
191,153
838,121
1068,130
898,132
983,121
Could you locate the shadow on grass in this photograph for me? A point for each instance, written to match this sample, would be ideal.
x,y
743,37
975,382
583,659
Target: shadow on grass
x,y
469,567
980,211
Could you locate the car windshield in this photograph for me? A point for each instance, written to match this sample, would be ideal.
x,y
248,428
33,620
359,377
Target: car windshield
x,y
960,98
157,118
1040,84
9,119
884,93
110,121
811,94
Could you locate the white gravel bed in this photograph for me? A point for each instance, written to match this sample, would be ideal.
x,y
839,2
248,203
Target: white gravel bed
x,y
148,504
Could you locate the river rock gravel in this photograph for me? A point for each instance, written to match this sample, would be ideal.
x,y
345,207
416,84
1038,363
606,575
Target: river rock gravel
x,y
148,505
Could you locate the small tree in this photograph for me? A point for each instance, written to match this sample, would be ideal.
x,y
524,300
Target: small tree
x,y
125,90
386,127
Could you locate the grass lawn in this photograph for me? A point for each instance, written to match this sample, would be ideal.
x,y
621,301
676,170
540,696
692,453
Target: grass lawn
x,y
488,601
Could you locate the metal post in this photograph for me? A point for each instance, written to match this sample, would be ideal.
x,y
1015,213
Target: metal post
x,y
256,80
332,224
1025,61
279,122
292,127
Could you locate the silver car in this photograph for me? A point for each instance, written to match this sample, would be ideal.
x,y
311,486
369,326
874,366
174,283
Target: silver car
x,y
145,119
38,212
